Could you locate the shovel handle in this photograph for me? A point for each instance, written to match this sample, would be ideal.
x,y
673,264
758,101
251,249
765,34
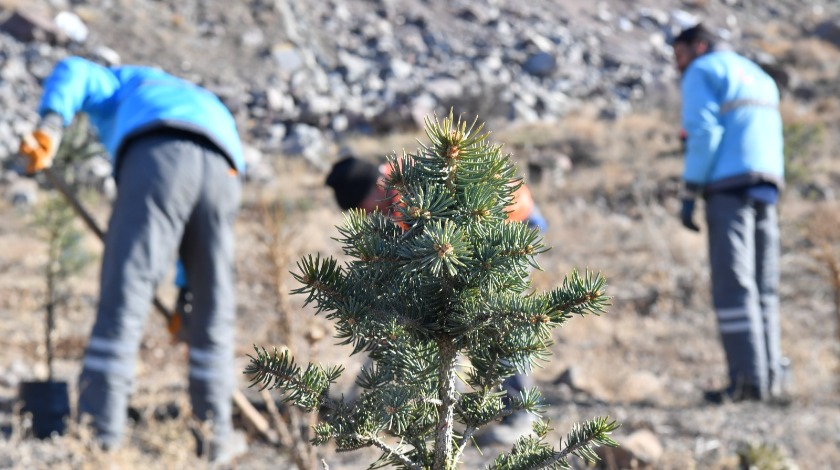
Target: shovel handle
x,y
59,184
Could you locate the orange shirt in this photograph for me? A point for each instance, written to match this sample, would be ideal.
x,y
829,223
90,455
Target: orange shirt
x,y
519,210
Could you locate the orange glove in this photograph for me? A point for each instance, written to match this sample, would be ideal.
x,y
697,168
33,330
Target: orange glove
x,y
40,147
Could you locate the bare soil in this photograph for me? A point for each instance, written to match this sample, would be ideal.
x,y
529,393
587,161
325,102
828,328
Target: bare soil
x,y
645,362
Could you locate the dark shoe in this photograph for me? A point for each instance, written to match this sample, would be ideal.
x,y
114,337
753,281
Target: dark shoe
x,y
220,454
782,401
732,395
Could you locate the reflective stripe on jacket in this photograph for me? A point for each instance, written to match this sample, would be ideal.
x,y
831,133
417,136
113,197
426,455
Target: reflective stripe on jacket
x,y
732,123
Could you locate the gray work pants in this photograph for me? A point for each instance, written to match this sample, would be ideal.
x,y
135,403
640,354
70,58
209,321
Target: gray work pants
x,y
176,194
744,256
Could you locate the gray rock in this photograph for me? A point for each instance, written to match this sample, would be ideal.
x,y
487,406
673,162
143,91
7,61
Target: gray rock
x,y
277,100
319,105
604,14
785,76
8,141
553,103
492,63
479,14
257,168
252,38
14,374
339,123
549,169
308,142
251,154
805,92
108,188
95,168
23,193
508,431
540,64
540,42
25,121
445,89
270,135
411,39
421,107
652,16
14,69
8,177
641,387
829,30
353,67
372,82
641,449
570,377
614,109
97,172
31,25
107,55
521,111
683,19
70,25
287,57
400,69
40,65
621,51
301,86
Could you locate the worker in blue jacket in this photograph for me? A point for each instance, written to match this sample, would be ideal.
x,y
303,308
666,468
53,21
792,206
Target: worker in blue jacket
x,y
734,160
177,159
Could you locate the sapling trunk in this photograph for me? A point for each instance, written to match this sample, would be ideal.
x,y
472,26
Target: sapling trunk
x,y
49,327
446,392
53,272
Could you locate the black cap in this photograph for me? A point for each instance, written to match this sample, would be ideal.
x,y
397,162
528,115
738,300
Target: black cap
x,y
696,33
351,180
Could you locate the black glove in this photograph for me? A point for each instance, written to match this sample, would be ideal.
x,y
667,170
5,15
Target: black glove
x,y
687,215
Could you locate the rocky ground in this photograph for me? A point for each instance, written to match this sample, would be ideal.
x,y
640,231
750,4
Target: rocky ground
x,y
582,93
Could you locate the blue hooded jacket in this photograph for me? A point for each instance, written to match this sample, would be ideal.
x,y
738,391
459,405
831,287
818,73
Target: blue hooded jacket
x,y
731,118
126,101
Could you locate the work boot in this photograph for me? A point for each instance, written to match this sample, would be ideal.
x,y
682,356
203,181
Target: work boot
x,y
223,454
732,394
780,387
219,453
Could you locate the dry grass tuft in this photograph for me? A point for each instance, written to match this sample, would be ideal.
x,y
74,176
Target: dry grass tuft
x,y
157,444
821,232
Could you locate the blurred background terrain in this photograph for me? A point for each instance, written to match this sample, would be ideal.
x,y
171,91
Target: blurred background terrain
x,y
585,97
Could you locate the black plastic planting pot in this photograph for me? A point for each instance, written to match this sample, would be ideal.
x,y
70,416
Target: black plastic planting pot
x,y
49,404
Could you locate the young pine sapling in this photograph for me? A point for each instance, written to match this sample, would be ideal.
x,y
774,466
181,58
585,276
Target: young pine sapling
x,y
440,284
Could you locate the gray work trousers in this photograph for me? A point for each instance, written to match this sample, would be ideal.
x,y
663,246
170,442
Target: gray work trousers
x,y
744,257
176,194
